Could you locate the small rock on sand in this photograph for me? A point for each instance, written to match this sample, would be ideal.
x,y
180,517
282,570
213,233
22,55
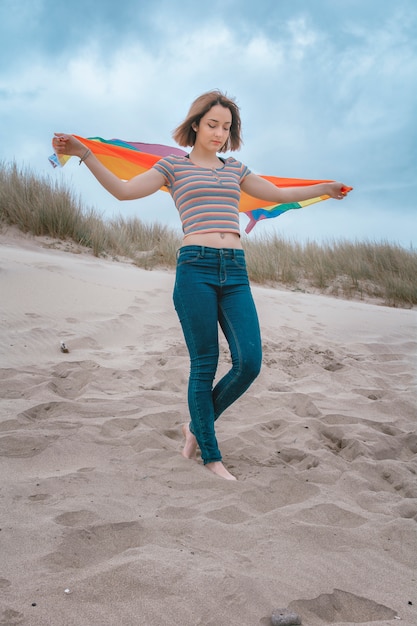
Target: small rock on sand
x,y
284,617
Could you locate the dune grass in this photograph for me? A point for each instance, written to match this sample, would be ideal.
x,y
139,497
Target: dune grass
x,y
42,207
348,269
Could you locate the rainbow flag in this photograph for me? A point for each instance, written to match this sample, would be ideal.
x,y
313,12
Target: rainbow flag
x,y
127,159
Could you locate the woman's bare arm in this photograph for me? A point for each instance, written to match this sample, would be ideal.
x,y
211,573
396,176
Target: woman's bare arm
x,y
138,187
258,187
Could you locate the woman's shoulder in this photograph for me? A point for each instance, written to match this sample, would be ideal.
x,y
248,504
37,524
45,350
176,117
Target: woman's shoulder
x,y
174,158
171,161
236,165
230,160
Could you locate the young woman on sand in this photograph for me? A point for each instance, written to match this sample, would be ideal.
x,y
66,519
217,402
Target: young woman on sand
x,y
211,284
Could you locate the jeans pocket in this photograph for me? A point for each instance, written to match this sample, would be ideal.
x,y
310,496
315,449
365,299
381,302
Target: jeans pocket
x,y
185,258
240,262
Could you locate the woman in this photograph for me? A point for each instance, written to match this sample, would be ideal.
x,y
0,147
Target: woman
x,y
211,285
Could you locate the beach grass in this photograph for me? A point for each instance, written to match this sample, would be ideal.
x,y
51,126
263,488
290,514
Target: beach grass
x,y
383,271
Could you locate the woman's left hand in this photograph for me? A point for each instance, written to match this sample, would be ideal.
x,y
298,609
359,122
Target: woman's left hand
x,y
338,190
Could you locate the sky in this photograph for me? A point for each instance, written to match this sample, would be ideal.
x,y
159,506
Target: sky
x,y
327,90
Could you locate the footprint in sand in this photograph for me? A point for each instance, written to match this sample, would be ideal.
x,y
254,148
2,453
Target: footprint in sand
x,y
82,547
341,606
76,518
301,405
10,617
228,515
39,497
177,512
44,411
331,515
300,458
287,490
23,446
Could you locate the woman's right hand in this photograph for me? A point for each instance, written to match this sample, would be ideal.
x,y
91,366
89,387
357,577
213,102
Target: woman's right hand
x,y
67,145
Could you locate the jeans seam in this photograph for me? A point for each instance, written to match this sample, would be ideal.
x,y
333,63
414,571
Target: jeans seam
x,y
239,354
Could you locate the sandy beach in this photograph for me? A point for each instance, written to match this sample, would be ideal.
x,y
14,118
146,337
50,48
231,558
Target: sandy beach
x,y
104,523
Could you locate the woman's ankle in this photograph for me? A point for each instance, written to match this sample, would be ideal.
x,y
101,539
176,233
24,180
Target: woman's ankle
x,y
189,450
219,469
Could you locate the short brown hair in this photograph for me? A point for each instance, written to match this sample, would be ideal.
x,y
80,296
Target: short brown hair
x,y
184,134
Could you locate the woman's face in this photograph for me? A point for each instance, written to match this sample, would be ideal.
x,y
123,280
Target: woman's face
x,y
214,128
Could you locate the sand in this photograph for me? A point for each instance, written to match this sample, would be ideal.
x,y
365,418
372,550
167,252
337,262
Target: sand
x,y
104,523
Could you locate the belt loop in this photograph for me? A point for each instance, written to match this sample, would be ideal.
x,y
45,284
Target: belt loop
x,y
202,251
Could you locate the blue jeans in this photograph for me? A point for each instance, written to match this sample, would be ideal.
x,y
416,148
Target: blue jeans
x,y
212,289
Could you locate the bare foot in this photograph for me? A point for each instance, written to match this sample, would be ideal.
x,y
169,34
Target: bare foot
x,y
190,447
218,468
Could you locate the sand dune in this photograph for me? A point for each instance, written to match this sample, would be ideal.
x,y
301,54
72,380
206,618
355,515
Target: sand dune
x,y
103,522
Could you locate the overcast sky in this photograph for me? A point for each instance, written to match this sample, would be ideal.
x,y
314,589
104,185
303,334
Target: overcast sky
x,y
327,89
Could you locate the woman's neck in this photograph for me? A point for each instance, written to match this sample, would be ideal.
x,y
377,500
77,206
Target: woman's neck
x,y
205,158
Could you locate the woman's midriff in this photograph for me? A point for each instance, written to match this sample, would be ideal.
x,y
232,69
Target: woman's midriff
x,y
214,240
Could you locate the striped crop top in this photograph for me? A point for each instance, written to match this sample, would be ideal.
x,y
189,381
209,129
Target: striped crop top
x,y
207,199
